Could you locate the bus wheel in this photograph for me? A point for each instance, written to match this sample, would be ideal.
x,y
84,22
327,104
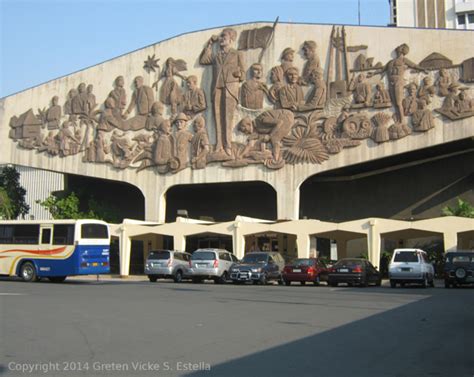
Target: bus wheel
x,y
28,272
57,279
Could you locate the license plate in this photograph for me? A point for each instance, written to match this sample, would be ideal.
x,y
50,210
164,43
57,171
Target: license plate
x,y
200,265
95,264
405,269
296,269
343,270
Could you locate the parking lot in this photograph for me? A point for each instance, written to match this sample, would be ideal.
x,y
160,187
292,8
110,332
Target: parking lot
x,y
113,327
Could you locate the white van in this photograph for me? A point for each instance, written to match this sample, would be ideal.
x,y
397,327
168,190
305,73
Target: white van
x,y
410,266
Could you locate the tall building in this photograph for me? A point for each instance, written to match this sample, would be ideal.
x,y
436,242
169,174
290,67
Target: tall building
x,y
442,14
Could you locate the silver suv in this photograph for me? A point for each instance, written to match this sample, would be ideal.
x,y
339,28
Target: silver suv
x,y
167,264
410,266
212,264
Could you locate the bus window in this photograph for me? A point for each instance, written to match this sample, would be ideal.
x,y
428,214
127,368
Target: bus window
x,y
46,236
24,234
94,231
63,234
6,234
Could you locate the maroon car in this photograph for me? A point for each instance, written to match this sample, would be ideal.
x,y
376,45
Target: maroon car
x,y
304,270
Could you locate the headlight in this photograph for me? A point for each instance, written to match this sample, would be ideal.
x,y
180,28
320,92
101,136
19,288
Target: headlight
x,y
256,270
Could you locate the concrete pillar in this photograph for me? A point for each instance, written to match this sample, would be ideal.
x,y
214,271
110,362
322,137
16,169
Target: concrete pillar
x,y
125,246
179,242
341,248
450,241
155,206
238,241
303,242
373,243
288,203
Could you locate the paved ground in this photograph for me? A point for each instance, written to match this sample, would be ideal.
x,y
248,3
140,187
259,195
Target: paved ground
x,y
117,328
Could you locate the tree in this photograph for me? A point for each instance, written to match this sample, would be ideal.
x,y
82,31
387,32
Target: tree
x,y
68,206
10,182
462,209
6,208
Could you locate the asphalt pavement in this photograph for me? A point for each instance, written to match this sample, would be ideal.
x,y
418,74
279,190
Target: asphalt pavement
x,y
112,327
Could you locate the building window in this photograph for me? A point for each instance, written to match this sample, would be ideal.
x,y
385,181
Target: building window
x,y
470,18
461,19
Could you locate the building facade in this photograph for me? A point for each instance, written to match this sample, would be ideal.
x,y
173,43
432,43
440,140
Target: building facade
x,y
434,14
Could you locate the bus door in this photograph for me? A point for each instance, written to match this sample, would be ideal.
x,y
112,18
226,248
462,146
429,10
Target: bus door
x,y
46,236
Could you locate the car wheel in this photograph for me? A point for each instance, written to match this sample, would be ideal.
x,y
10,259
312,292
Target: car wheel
x,y
424,284
460,273
178,276
302,282
57,279
317,281
393,284
28,272
263,279
446,284
378,283
152,278
365,283
223,278
281,281
287,282
196,280
432,284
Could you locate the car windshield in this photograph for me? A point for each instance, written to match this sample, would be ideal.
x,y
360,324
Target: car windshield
x,y
349,263
461,259
303,262
406,256
203,255
159,255
255,258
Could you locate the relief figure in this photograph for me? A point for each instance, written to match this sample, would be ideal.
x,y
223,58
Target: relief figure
x,y
253,90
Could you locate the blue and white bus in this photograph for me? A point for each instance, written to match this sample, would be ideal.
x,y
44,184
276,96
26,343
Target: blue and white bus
x,y
54,249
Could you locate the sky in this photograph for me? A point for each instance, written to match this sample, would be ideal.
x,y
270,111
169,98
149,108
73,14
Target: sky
x,y
41,40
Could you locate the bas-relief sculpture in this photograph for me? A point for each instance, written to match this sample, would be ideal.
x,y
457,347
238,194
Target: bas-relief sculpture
x,y
284,118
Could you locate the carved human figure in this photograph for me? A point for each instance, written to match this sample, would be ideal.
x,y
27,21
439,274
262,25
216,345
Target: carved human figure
x,y
66,138
449,104
255,147
108,120
444,81
156,117
68,104
427,90
163,148
200,145
273,126
50,144
312,61
253,90
422,118
398,130
121,149
277,80
291,95
361,90
410,103
91,101
182,139
345,113
170,91
464,103
395,70
287,57
381,97
228,72
53,115
194,99
79,101
119,96
101,147
142,98
318,94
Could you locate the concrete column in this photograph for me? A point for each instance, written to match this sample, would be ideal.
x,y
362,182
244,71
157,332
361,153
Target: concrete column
x,y
179,242
303,242
450,241
373,243
238,241
288,203
155,206
125,245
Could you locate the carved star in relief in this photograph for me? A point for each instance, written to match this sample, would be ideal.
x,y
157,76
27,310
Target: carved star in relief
x,y
151,64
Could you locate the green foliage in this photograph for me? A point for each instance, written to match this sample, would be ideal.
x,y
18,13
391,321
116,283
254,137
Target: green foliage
x,y
68,206
6,207
462,209
10,182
